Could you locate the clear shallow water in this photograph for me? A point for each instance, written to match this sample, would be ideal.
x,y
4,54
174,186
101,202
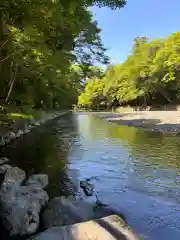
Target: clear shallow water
x,y
136,172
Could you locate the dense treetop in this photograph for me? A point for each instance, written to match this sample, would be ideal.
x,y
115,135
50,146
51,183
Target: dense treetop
x,y
47,48
149,76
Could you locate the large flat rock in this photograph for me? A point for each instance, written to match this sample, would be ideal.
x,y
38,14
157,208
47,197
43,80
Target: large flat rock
x,y
108,228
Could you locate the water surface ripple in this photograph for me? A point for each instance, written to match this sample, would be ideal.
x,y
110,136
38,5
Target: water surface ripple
x,y
134,171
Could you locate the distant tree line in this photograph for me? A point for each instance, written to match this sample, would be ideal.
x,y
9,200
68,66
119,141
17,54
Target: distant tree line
x,y
149,76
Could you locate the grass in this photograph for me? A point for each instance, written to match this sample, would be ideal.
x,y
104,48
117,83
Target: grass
x,y
20,115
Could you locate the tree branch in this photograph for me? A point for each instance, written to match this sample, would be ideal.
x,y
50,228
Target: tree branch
x,y
3,44
1,61
11,86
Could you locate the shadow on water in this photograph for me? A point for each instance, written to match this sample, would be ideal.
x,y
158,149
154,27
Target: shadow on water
x,y
45,150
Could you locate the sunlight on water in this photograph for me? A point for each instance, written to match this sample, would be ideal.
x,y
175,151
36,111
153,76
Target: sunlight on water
x,y
136,172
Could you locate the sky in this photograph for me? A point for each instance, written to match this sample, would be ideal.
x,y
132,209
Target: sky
x,y
150,18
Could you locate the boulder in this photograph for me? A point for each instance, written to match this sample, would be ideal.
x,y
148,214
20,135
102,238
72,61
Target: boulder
x,y
107,228
21,217
2,142
19,133
32,192
20,208
9,136
13,175
3,160
4,168
36,124
40,180
87,187
26,131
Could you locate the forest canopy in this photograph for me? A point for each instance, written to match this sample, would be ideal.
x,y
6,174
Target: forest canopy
x,y
47,48
149,76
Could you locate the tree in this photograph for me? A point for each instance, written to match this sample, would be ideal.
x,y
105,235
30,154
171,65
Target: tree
x,y
40,41
149,76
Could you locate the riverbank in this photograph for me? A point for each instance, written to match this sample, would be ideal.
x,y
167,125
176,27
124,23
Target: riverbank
x,y
25,209
14,125
160,121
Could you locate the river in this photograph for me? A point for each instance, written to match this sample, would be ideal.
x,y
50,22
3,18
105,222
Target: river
x,y
135,172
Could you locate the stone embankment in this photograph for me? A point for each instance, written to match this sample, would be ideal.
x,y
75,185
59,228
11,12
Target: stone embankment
x,y
14,129
27,213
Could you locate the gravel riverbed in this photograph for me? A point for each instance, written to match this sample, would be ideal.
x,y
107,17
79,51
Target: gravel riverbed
x,y
161,121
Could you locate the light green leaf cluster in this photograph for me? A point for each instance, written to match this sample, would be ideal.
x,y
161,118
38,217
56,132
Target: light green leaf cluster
x,y
149,76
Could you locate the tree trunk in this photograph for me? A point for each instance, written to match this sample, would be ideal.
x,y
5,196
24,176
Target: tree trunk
x,y
11,86
5,61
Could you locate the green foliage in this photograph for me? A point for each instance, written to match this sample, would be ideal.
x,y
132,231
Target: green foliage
x,y
93,94
110,3
47,49
149,76
19,115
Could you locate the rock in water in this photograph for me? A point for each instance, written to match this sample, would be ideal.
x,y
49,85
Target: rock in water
x,y
26,131
13,175
20,208
9,136
19,133
37,124
40,180
2,142
87,187
3,160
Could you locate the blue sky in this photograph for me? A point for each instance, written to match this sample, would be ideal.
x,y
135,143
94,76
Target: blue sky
x,y
151,18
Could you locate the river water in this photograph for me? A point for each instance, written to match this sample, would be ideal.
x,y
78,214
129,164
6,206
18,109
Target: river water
x,y
135,172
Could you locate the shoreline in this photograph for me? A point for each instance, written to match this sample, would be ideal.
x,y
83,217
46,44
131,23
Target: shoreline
x,y
27,211
156,121
12,129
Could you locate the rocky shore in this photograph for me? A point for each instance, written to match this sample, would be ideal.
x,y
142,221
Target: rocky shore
x,y
158,121
20,127
26,212
25,206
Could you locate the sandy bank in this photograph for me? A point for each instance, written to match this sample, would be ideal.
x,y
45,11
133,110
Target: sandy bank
x,y
162,121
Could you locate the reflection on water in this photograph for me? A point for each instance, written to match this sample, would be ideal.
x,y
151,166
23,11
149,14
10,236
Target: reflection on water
x,y
136,172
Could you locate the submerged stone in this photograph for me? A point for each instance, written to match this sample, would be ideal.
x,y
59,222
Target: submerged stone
x,y
87,187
